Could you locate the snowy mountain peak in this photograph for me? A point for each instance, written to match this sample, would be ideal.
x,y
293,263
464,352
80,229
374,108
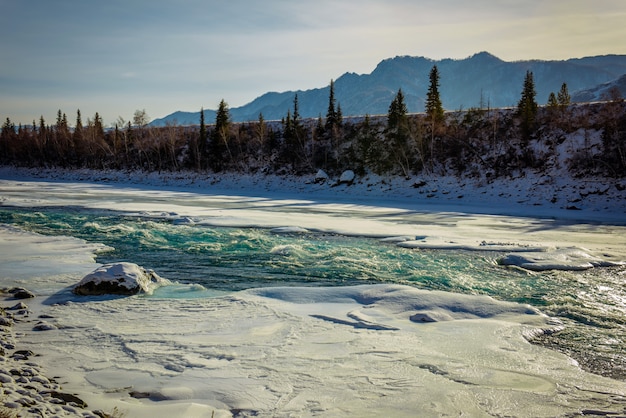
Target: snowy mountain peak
x,y
463,84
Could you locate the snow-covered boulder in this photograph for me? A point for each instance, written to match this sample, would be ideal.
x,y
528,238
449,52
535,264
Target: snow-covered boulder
x,y
119,279
183,221
21,293
321,176
419,183
347,177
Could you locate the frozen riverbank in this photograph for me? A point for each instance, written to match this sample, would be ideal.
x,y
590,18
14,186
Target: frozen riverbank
x,y
27,390
533,195
358,351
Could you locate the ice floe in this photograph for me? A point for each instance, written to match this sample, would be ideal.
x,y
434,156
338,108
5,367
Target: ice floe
x,y
560,259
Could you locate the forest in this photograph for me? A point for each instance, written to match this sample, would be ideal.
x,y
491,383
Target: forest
x,y
464,142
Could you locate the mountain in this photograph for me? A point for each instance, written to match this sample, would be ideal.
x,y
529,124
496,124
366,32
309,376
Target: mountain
x,y
602,91
481,78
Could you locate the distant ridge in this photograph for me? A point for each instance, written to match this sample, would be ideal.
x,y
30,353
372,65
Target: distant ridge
x,y
480,78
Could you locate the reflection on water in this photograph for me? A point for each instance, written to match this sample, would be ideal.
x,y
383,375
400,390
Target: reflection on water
x,y
592,303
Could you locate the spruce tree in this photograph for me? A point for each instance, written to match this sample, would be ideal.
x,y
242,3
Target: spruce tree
x,y
398,135
222,118
339,115
8,127
331,114
79,123
397,115
98,127
563,96
296,110
552,101
201,149
6,135
527,106
434,108
220,137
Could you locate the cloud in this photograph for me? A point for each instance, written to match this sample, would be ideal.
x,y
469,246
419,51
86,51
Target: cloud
x,y
170,55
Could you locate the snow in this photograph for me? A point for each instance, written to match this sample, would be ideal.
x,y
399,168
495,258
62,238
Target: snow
x,y
359,351
347,177
321,176
120,278
561,259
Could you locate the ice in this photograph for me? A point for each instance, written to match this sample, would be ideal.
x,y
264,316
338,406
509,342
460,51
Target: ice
x,y
28,258
289,230
561,259
375,350
447,228
304,351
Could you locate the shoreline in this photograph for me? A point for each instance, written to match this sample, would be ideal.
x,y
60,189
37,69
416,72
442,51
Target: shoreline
x,y
26,388
536,195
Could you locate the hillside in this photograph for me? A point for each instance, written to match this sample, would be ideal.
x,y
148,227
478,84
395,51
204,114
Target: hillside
x,y
602,92
465,83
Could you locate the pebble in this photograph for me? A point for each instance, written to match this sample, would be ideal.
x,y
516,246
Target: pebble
x,y
24,389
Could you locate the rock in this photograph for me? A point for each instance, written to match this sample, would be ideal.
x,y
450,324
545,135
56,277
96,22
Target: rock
x,y
21,293
139,395
119,279
347,177
18,306
22,354
419,183
183,221
430,316
42,380
4,378
321,176
44,326
68,398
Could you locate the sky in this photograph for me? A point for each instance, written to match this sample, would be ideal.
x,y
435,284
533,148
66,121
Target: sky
x,y
117,56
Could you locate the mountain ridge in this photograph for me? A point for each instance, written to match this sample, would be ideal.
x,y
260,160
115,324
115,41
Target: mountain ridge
x,y
481,79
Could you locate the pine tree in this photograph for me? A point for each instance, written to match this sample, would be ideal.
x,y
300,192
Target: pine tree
x,y
222,118
201,149
220,138
79,121
434,108
552,101
397,115
398,135
8,127
203,135
78,130
527,106
296,110
319,128
331,114
563,96
7,134
221,133
98,126
339,115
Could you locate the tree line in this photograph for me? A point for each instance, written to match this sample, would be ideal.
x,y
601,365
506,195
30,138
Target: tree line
x,y
477,140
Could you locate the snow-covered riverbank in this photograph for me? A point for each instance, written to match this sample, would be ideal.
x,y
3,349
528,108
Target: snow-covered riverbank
x,y
533,195
359,351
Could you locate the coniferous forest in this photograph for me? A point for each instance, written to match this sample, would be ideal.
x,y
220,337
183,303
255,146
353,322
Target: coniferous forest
x,y
474,141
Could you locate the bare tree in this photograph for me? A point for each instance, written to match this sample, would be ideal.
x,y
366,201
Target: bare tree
x,y
141,118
